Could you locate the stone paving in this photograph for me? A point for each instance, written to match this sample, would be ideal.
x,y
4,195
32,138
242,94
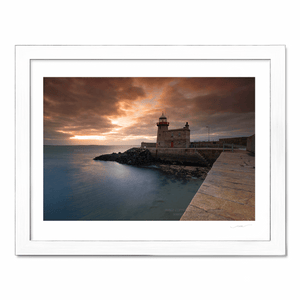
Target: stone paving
x,y
228,192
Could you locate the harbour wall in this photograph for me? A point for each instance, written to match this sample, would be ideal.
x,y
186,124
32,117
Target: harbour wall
x,y
251,144
188,155
147,145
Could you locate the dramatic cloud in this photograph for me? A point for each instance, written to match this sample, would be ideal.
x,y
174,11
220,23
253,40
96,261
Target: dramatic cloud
x,y
125,110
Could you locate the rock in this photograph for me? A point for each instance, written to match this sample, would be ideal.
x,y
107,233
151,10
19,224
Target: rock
x,y
142,157
133,156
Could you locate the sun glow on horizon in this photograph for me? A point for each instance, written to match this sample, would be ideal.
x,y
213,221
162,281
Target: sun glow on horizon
x,y
88,137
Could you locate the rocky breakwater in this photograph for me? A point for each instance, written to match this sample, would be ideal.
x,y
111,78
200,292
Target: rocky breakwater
x,y
133,156
185,172
143,158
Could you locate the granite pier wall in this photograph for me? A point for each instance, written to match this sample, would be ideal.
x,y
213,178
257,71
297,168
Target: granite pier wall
x,y
187,155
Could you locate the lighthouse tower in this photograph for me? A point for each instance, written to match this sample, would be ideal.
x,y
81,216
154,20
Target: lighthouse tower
x,y
162,125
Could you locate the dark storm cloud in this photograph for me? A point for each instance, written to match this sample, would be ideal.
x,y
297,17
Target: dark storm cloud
x,y
211,95
69,96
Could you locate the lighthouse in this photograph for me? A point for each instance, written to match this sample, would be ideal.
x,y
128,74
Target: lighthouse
x,y
174,138
162,125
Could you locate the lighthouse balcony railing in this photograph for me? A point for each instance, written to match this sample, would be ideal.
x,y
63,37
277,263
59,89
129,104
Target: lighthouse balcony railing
x,y
162,123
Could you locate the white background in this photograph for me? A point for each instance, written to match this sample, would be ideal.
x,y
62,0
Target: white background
x,y
143,22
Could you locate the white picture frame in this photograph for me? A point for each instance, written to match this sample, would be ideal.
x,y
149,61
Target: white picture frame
x,y
276,242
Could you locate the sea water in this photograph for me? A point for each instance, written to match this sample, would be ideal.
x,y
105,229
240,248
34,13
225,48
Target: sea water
x,y
76,187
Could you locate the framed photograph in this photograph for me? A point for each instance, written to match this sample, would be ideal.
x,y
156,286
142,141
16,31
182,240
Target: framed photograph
x,y
150,150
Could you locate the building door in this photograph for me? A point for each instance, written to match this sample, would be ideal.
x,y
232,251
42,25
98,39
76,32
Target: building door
x,y
172,144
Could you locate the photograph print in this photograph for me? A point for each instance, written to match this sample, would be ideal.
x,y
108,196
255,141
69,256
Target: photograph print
x,y
149,149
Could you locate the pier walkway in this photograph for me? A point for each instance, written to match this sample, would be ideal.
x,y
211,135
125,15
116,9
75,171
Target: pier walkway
x,y
228,191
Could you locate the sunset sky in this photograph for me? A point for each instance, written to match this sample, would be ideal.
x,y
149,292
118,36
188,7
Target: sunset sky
x,y
124,111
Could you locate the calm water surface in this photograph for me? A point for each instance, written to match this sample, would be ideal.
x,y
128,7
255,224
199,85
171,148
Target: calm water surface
x,y
78,188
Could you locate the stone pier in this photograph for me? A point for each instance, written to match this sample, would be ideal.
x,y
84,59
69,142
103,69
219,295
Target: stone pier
x,y
188,155
228,192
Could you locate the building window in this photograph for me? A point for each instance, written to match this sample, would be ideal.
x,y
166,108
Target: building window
x,y
179,134
171,134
